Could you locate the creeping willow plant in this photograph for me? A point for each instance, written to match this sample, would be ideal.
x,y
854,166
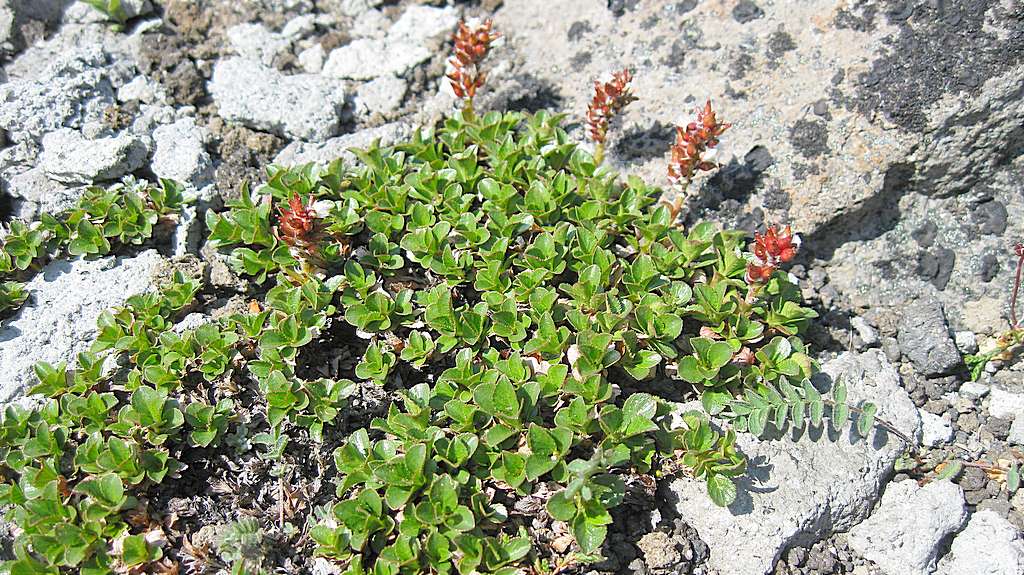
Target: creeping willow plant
x,y
516,298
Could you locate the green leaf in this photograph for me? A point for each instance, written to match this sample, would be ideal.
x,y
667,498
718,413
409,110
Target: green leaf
x,y
588,535
721,489
637,412
135,551
949,469
867,419
561,507
840,413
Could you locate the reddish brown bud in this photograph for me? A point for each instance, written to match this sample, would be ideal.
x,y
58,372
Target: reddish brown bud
x,y
771,249
471,47
296,224
694,146
609,99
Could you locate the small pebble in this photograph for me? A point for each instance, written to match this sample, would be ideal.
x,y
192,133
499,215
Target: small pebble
x,y
966,342
973,390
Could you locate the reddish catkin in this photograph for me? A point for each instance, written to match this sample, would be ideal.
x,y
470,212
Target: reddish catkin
x,y
771,249
296,224
694,148
610,97
472,44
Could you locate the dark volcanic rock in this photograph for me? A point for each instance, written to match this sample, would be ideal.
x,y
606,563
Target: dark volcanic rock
x,y
924,338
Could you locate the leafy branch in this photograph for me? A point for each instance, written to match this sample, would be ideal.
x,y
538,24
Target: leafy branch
x,y
796,405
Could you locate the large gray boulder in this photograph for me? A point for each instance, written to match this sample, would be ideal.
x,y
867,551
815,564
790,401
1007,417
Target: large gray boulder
x,y
59,320
807,484
989,545
302,106
904,535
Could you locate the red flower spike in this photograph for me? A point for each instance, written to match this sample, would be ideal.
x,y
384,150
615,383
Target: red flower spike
x,y
609,99
771,249
471,47
695,142
296,223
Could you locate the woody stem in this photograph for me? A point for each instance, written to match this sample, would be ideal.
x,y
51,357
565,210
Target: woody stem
x,y
1013,297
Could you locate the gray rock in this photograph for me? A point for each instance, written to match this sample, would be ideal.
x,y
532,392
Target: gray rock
x,y
326,152
71,158
71,91
16,13
867,333
352,8
805,485
299,27
1004,404
59,320
188,236
904,534
370,24
413,39
255,42
367,58
40,193
141,89
382,96
179,153
1016,434
966,342
973,390
989,545
935,430
924,338
424,25
301,106
312,59
659,550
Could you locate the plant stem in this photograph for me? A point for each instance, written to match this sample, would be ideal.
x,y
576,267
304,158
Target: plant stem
x,y
467,110
879,422
1016,287
598,153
